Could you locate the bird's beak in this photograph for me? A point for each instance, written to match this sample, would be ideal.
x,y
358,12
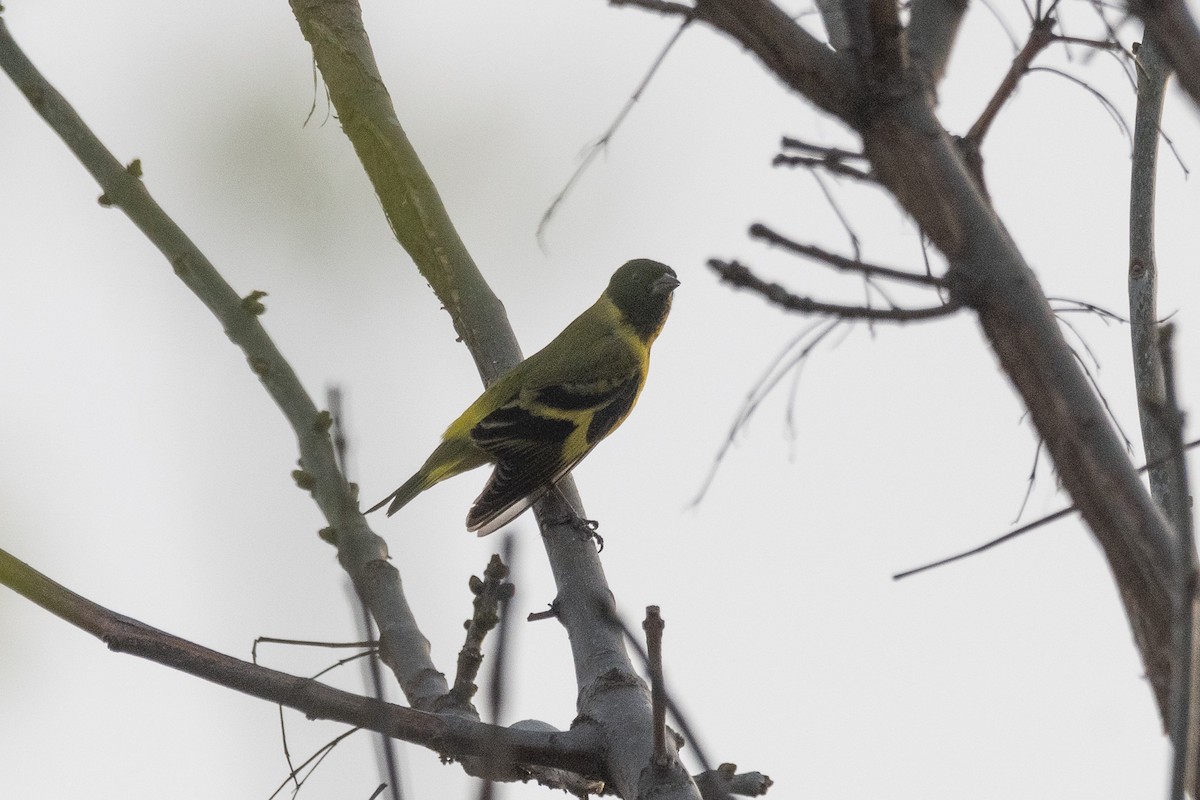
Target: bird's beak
x,y
664,285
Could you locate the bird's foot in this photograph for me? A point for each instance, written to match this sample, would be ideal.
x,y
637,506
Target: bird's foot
x,y
586,528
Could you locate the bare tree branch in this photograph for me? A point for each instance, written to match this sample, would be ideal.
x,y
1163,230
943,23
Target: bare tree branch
x,y
1153,73
760,231
827,164
598,147
1173,27
363,554
1161,421
832,159
932,29
788,50
576,750
916,159
738,275
1040,37
611,696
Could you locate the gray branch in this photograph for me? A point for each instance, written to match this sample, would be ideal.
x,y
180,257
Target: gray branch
x,y
932,28
1153,72
362,553
612,698
1157,408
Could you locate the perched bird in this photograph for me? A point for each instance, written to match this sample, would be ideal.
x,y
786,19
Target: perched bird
x,y
545,414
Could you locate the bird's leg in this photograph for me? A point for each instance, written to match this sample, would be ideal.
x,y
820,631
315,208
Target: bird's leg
x,y
585,527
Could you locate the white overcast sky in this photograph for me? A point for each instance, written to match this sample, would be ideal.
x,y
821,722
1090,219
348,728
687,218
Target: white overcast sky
x,y
145,468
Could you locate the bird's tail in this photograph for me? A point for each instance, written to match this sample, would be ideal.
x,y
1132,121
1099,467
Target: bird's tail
x,y
399,498
448,460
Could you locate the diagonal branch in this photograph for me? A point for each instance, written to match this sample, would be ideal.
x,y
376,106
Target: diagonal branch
x,y
760,231
1040,37
576,750
916,159
611,696
363,554
738,275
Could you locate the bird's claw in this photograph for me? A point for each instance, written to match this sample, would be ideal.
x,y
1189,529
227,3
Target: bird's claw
x,y
587,529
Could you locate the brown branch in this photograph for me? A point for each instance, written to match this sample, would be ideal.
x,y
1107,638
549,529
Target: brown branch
x,y
802,60
835,153
576,750
889,52
827,164
760,231
1094,44
1040,37
1174,28
916,159
738,275
1176,453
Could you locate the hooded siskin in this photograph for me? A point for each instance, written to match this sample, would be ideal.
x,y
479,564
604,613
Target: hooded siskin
x,y
545,414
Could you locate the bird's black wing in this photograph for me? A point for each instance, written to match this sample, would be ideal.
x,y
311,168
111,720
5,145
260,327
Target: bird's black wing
x,y
533,440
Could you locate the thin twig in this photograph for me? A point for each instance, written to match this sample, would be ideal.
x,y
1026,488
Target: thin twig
x,y
489,592
653,626
837,210
760,231
315,760
677,714
823,151
759,391
1029,482
830,165
497,756
1037,523
1082,305
1112,110
373,671
1040,36
597,147
1003,23
1095,44
738,275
